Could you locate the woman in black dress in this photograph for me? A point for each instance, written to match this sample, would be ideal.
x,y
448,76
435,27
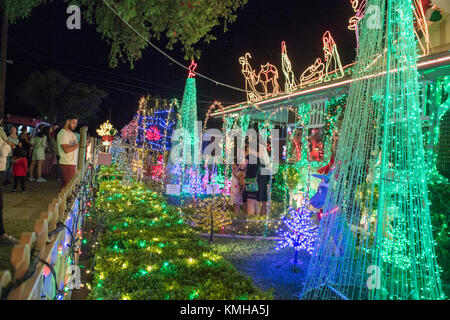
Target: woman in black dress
x,y
263,178
24,141
253,171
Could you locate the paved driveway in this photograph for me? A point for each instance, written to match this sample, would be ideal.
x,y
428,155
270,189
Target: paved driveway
x,y
21,211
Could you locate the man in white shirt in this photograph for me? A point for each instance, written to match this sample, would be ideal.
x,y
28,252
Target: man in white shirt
x,y
68,150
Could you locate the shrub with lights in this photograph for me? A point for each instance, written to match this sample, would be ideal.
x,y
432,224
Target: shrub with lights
x,y
210,215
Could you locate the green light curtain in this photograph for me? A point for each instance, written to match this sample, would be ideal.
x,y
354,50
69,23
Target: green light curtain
x,y
375,237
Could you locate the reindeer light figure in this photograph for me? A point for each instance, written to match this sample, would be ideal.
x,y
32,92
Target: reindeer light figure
x,y
290,82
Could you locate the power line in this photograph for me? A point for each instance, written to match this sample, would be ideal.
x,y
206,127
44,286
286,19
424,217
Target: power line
x,y
119,83
93,68
145,94
169,57
115,74
81,77
132,86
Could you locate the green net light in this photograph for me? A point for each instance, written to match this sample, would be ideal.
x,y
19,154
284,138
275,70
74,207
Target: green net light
x,y
375,238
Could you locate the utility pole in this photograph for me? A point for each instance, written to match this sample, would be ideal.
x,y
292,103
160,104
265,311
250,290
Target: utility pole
x,y
3,51
82,149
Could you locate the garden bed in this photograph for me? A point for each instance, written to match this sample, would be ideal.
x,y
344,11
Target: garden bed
x,y
142,249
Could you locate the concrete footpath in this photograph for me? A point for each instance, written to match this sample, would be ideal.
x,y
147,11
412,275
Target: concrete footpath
x,y
22,210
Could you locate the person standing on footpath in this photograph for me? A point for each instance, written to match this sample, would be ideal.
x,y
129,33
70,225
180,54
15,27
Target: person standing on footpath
x,y
49,153
55,149
2,131
19,168
40,144
4,151
25,142
13,140
68,150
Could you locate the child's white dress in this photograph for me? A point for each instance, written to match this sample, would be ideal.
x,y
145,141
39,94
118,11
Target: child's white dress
x,y
236,191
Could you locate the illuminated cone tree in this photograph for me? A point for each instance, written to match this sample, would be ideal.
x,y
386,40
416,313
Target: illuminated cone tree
x,y
185,156
392,256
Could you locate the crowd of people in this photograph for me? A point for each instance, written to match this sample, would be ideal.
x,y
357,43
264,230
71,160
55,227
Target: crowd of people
x,y
25,157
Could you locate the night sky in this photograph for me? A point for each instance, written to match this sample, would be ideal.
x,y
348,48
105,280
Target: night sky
x,y
42,41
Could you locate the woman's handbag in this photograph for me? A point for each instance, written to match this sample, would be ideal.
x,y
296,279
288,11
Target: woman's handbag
x,y
251,184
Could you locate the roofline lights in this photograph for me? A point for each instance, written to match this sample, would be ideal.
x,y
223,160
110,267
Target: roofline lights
x,y
233,108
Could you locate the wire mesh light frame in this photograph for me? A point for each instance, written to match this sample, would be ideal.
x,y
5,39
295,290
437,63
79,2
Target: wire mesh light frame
x,y
392,256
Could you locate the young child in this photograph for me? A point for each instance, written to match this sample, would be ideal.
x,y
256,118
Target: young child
x,y
237,186
19,168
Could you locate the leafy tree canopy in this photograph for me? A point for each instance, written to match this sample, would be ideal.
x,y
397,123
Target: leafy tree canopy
x,y
20,9
187,22
54,96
